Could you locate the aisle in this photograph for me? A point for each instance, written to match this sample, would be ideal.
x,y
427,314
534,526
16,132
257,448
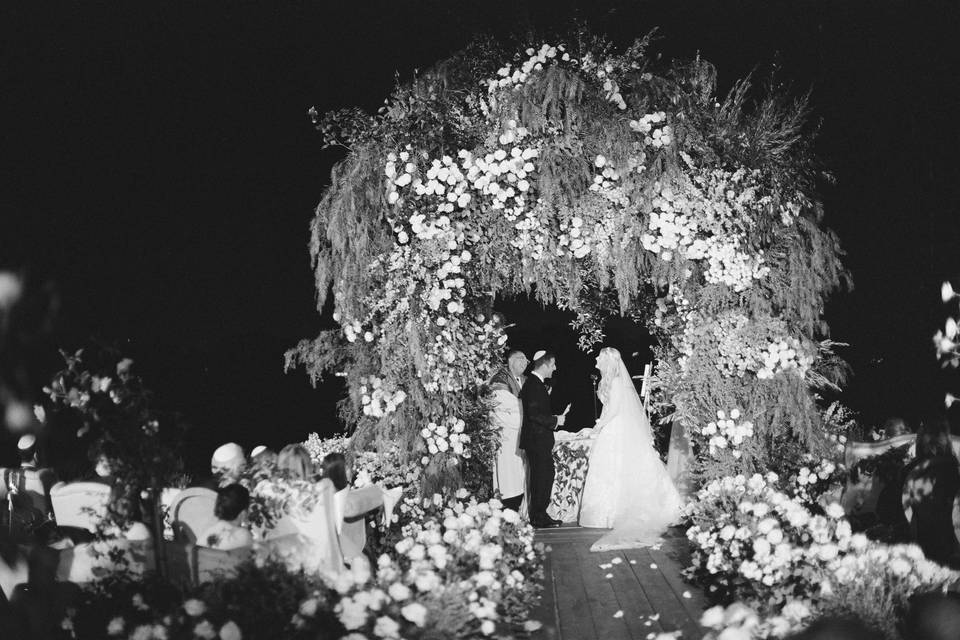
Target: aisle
x,y
632,594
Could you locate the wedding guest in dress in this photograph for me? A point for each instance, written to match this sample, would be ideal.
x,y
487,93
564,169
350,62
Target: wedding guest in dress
x,y
932,480
536,437
294,461
507,417
227,533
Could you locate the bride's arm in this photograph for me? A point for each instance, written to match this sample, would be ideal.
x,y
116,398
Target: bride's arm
x,y
610,408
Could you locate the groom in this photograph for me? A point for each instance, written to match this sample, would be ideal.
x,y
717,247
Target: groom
x,y
536,437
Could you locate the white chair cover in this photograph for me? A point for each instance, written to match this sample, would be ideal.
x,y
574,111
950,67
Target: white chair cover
x,y
192,513
309,540
80,504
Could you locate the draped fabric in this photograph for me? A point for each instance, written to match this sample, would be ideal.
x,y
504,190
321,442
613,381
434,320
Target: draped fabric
x,y
627,488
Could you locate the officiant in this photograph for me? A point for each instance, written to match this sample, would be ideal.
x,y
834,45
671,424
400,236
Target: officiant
x,y
507,417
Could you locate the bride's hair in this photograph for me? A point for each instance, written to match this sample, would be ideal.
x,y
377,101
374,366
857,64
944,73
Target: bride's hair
x,y
607,363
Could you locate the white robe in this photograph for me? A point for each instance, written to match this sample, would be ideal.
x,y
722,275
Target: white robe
x,y
508,471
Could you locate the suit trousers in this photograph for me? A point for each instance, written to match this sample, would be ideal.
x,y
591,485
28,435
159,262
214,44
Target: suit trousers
x,y
540,460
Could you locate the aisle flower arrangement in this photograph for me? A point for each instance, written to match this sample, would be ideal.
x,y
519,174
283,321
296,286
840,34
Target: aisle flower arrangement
x,y
779,562
460,569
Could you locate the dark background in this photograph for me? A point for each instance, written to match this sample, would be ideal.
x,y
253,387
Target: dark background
x,y
159,171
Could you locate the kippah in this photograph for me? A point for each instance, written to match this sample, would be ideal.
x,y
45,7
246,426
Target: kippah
x,y
257,450
26,442
227,453
539,354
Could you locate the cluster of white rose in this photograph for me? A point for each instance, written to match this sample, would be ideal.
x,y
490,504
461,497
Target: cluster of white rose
x,y
510,76
739,621
462,339
728,264
748,529
707,220
784,355
727,432
474,552
446,436
378,400
573,236
769,538
653,126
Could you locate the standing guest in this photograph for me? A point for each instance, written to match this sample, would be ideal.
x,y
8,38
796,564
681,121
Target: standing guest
x,y
294,460
334,468
507,418
536,437
227,533
931,483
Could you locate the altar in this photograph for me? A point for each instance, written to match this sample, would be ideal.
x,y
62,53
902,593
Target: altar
x,y
570,456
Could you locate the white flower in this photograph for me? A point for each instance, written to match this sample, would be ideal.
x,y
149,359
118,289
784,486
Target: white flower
x,y
308,608
116,626
205,630
415,613
946,292
10,289
487,627
230,631
194,607
712,617
399,591
386,627
143,632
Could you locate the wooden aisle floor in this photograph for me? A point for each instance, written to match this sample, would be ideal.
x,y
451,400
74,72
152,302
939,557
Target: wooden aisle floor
x,y
631,594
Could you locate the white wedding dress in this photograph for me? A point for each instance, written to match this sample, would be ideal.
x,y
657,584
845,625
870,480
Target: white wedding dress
x,y
627,488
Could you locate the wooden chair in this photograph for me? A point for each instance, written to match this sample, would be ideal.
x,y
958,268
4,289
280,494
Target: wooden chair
x,y
80,505
192,513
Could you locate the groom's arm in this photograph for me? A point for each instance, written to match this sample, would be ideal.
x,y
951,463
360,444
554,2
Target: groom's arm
x,y
538,412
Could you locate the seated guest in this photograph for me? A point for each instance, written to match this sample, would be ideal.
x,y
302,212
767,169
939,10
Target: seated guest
x,y
227,533
263,456
294,461
227,463
105,465
27,489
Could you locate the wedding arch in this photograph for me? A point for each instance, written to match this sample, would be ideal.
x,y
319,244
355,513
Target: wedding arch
x,y
597,181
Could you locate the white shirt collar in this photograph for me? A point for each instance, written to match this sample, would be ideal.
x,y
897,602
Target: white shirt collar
x,y
538,375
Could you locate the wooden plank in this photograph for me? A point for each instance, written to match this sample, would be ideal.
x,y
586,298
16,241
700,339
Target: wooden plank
x,y
696,603
546,611
633,601
601,595
673,616
573,606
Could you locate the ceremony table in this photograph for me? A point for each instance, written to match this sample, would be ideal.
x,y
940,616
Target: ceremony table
x,y
570,453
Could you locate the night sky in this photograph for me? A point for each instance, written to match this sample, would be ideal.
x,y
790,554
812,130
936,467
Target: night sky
x,y
160,171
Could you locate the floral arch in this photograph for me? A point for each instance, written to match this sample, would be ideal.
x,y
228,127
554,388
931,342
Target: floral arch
x,y
603,183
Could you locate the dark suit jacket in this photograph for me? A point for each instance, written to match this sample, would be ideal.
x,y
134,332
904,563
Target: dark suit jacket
x,y
538,419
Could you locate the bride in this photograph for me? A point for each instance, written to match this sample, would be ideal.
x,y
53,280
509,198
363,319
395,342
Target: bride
x,y
627,487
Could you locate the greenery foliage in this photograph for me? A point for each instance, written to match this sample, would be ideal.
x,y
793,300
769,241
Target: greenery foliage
x,y
598,182
98,401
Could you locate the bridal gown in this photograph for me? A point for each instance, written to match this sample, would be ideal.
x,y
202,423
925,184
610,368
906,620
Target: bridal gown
x,y
627,488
